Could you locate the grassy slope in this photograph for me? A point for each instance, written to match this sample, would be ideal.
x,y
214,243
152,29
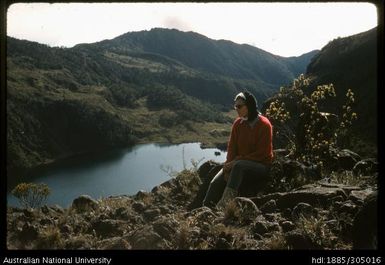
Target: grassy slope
x,y
47,122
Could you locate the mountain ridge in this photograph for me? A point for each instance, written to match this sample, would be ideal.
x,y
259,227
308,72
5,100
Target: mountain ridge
x,y
242,56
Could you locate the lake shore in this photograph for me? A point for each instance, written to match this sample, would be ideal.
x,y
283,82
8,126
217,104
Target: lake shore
x,y
209,134
118,171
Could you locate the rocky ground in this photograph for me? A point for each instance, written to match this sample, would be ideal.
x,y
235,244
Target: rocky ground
x,y
296,211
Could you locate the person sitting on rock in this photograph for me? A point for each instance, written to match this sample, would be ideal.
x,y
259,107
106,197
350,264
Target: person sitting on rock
x,y
249,152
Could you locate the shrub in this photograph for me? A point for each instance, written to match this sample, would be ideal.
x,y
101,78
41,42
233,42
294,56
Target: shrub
x,y
237,237
50,238
31,195
317,230
169,119
277,241
309,133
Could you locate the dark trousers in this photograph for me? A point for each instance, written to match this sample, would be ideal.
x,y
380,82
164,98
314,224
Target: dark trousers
x,y
248,177
197,202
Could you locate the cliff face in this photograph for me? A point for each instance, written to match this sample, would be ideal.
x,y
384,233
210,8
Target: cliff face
x,y
315,213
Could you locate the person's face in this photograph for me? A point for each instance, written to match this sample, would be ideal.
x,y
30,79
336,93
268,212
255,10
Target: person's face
x,y
240,107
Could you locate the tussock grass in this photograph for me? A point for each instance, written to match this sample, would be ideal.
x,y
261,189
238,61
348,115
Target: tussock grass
x,y
235,236
277,241
317,230
346,177
115,202
232,212
50,238
147,199
183,236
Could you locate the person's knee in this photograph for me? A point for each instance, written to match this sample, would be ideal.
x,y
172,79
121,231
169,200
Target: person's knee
x,y
238,166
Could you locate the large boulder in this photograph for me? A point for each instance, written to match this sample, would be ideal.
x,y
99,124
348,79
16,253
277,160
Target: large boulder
x,y
295,239
203,214
206,172
269,207
169,184
285,172
208,169
151,214
248,210
347,159
303,209
146,238
108,227
359,196
312,194
113,243
342,159
84,203
365,167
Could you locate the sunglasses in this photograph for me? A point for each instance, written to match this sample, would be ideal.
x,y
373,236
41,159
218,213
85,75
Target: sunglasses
x,y
238,106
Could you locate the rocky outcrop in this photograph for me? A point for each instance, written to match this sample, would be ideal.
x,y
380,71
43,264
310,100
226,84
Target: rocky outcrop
x,y
365,224
365,167
322,214
83,203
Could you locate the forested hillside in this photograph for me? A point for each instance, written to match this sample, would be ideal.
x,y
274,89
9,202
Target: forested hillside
x,y
153,85
352,63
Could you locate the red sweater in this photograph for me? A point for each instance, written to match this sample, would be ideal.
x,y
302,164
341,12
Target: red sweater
x,y
248,143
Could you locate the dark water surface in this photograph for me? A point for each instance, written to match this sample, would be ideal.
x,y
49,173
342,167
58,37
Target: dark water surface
x,y
117,172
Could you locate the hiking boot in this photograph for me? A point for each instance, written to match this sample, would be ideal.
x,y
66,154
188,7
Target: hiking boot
x,y
228,195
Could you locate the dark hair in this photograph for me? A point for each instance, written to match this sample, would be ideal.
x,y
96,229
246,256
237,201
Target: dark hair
x,y
252,106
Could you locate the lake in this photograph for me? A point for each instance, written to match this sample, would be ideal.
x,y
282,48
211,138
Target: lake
x,y
117,172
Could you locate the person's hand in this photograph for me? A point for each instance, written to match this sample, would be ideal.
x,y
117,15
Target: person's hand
x,y
228,166
226,175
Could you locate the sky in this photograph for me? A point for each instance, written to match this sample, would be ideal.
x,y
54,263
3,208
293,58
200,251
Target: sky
x,y
285,29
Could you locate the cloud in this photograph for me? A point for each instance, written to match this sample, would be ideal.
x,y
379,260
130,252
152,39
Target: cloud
x,y
176,23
